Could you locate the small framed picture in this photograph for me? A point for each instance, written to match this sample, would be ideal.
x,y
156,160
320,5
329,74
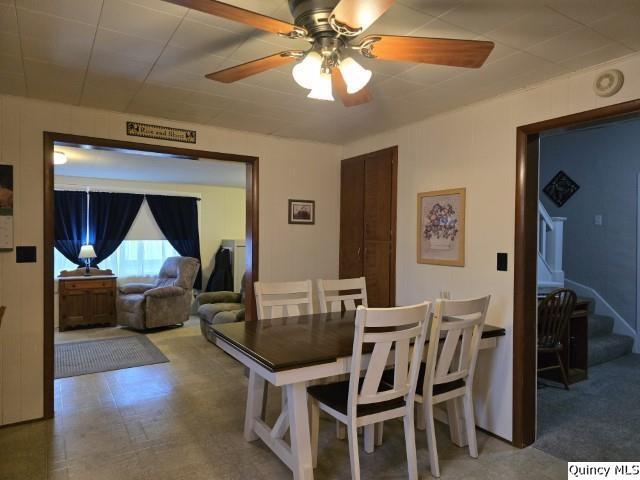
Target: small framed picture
x,y
302,212
441,227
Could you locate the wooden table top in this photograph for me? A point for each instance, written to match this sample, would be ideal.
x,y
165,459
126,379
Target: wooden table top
x,y
295,342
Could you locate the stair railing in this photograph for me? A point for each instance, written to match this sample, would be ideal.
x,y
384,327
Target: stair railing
x,y
550,238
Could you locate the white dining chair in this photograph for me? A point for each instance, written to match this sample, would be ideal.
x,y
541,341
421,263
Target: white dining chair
x,y
447,374
346,293
283,299
359,402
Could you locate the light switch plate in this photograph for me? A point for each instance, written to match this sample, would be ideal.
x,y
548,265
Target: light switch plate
x,y
597,220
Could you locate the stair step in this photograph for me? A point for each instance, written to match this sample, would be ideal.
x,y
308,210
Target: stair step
x,y
600,325
608,347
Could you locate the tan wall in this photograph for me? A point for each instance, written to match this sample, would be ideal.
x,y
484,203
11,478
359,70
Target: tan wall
x,y
288,169
474,147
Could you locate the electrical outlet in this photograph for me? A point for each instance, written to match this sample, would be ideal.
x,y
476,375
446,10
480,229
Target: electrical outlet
x,y
597,220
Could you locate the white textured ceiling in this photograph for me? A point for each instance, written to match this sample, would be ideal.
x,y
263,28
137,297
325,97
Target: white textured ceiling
x,y
125,165
150,57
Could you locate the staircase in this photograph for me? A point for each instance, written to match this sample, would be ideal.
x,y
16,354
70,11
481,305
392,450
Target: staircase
x,y
604,345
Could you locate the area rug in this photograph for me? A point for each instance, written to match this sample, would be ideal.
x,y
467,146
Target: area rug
x,y
81,358
597,419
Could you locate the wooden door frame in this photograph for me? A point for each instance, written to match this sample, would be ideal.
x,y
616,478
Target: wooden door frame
x,y
394,215
252,214
525,259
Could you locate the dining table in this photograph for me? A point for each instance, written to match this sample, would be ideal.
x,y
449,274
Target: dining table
x,y
291,353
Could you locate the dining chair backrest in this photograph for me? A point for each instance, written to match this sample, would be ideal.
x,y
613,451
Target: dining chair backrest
x,y
461,323
387,330
283,299
554,313
346,293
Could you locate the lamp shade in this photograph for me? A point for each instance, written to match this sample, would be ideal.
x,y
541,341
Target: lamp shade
x,y
87,251
354,75
307,71
322,88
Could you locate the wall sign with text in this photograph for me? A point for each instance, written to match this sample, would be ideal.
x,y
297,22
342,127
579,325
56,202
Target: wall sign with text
x,y
135,129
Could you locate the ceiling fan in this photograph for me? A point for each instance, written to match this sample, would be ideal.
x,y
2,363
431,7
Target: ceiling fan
x,y
331,27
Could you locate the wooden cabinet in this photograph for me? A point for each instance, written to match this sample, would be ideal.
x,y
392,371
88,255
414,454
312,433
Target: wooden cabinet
x,y
368,223
86,302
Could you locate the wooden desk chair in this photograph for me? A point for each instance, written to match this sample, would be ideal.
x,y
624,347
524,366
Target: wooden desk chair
x,y
447,375
360,402
336,295
554,313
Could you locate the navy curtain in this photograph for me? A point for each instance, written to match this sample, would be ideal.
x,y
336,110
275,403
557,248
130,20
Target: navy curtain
x,y
177,218
110,218
70,223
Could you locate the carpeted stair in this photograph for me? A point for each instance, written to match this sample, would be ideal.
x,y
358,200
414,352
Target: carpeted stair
x,y
604,345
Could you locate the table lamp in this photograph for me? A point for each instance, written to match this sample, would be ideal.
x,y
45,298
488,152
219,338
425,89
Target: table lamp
x,y
87,253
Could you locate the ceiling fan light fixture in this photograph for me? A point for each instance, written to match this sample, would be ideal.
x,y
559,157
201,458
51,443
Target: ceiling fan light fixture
x,y
306,72
355,76
322,88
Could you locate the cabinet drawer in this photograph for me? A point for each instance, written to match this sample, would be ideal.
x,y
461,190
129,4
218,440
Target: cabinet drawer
x,y
87,284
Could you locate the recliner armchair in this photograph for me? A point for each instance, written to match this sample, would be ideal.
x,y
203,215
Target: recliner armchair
x,y
166,302
220,307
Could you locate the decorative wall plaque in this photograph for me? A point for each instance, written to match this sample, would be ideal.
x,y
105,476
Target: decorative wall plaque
x,y
6,207
158,132
561,188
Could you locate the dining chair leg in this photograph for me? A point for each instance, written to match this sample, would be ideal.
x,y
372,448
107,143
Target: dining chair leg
x,y
410,442
379,433
470,422
341,431
369,433
431,440
315,431
352,433
255,402
420,425
564,372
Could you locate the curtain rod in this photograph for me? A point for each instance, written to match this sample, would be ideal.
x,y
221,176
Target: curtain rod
x,y
76,188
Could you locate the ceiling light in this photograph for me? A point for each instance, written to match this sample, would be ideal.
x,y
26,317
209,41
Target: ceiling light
x,y
307,71
354,75
59,158
322,88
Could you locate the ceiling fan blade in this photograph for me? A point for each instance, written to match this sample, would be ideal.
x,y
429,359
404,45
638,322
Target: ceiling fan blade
x,y
239,72
340,88
437,51
241,15
352,17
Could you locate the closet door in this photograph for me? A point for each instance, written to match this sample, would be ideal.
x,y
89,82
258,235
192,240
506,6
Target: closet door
x,y
367,223
379,225
351,218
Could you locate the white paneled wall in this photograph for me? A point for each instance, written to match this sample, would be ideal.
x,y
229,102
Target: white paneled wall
x,y
288,169
474,147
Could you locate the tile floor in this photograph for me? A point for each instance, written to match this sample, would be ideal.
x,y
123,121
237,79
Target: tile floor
x,y
183,420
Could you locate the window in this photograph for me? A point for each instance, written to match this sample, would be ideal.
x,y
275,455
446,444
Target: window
x,y
133,258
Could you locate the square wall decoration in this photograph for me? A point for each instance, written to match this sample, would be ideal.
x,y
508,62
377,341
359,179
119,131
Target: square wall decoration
x,y
561,188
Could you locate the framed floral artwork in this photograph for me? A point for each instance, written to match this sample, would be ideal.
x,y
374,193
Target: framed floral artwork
x,y
441,227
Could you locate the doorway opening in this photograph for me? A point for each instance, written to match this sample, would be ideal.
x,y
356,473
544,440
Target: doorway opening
x,y
527,242
144,191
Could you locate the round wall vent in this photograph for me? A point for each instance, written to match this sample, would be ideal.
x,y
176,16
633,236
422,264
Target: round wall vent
x,y
608,83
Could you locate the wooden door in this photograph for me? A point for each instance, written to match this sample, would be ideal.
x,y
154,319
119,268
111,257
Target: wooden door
x,y
368,223
351,218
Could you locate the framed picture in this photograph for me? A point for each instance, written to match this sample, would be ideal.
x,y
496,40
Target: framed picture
x,y
302,212
6,207
441,227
